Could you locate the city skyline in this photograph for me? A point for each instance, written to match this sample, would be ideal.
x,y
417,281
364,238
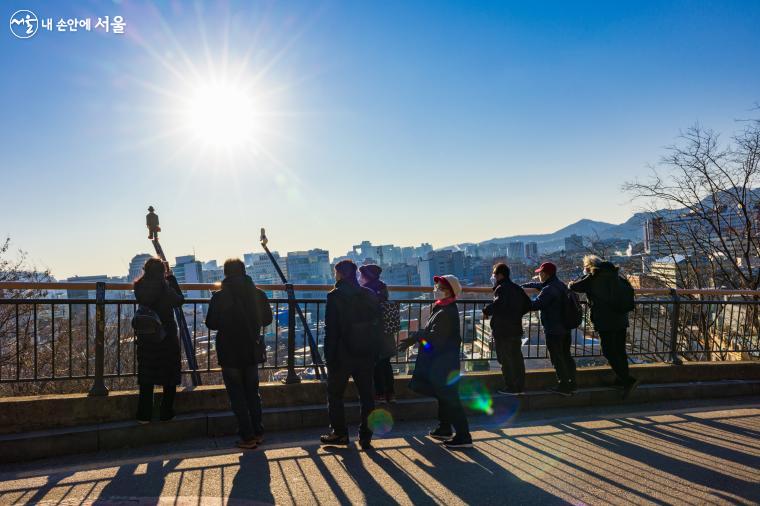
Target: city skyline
x,y
443,125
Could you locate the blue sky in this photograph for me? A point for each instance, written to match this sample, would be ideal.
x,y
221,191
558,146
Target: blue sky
x,y
400,122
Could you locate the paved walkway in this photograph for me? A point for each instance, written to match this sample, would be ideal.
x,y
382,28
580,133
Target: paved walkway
x,y
679,453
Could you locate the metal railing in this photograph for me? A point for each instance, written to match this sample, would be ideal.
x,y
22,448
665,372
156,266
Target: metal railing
x,y
44,339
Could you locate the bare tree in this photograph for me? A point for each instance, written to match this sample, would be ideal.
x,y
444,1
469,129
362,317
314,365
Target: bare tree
x,y
705,207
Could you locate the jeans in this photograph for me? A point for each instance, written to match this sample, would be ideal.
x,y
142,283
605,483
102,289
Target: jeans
x,y
337,381
243,390
509,354
562,359
450,410
384,377
613,349
145,402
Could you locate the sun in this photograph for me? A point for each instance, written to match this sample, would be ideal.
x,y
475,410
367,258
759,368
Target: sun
x,y
222,115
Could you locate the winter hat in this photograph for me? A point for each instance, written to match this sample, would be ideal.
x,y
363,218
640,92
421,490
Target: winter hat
x,y
371,271
451,282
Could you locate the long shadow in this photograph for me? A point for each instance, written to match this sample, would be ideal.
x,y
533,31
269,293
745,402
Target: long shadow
x,y
725,426
146,485
720,483
253,479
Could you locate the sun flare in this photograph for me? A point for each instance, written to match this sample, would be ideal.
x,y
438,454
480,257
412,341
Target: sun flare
x,y
222,115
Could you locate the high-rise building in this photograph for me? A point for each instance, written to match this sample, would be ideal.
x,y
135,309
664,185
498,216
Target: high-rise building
x,y
516,250
441,262
136,266
401,275
311,268
189,270
263,272
531,250
574,243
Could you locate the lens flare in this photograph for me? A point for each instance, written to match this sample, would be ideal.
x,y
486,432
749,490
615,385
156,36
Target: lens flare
x,y
425,344
475,395
453,377
380,421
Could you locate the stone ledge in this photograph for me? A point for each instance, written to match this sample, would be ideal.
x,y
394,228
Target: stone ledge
x,y
70,410
65,441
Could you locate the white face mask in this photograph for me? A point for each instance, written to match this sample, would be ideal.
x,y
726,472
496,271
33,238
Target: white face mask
x,y
438,294
493,279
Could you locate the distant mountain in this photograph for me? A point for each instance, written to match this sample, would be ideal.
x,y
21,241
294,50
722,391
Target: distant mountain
x,y
632,230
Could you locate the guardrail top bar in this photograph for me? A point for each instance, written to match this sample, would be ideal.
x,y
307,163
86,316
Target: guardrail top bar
x,y
28,285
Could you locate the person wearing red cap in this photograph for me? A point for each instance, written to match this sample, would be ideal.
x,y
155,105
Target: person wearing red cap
x,y
551,302
437,366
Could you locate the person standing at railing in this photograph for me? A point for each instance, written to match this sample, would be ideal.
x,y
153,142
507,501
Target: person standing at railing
x,y
437,367
353,332
158,362
551,302
238,312
611,299
369,277
510,303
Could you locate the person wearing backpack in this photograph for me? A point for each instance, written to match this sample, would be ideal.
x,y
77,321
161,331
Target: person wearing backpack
x,y
238,312
369,277
510,303
353,335
611,298
158,357
554,306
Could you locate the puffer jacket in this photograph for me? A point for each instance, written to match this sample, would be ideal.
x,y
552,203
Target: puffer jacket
x,y
598,287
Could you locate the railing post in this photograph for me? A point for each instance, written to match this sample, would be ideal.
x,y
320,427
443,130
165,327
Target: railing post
x,y
98,386
676,317
292,376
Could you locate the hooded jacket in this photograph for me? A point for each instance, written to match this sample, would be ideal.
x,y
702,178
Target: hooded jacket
x,y
232,312
598,287
159,363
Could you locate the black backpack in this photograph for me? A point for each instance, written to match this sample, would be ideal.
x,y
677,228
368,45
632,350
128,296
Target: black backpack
x,y
572,310
622,295
364,331
147,325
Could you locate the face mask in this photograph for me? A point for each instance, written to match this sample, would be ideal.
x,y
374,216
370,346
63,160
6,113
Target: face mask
x,y
493,279
438,294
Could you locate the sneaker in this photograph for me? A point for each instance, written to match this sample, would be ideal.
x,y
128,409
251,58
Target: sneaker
x,y
142,422
562,390
379,399
259,438
334,439
365,444
441,434
630,387
459,442
247,445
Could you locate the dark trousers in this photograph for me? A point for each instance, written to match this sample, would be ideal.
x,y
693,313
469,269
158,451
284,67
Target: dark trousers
x,y
613,349
384,377
145,402
337,381
562,359
243,390
509,354
450,410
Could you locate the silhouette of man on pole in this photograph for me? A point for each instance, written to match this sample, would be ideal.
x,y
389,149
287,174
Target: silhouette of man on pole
x,y
151,221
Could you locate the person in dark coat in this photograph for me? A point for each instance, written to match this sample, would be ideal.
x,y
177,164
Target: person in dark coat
x,y
349,307
151,221
599,283
158,363
551,302
438,362
384,388
234,313
510,303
